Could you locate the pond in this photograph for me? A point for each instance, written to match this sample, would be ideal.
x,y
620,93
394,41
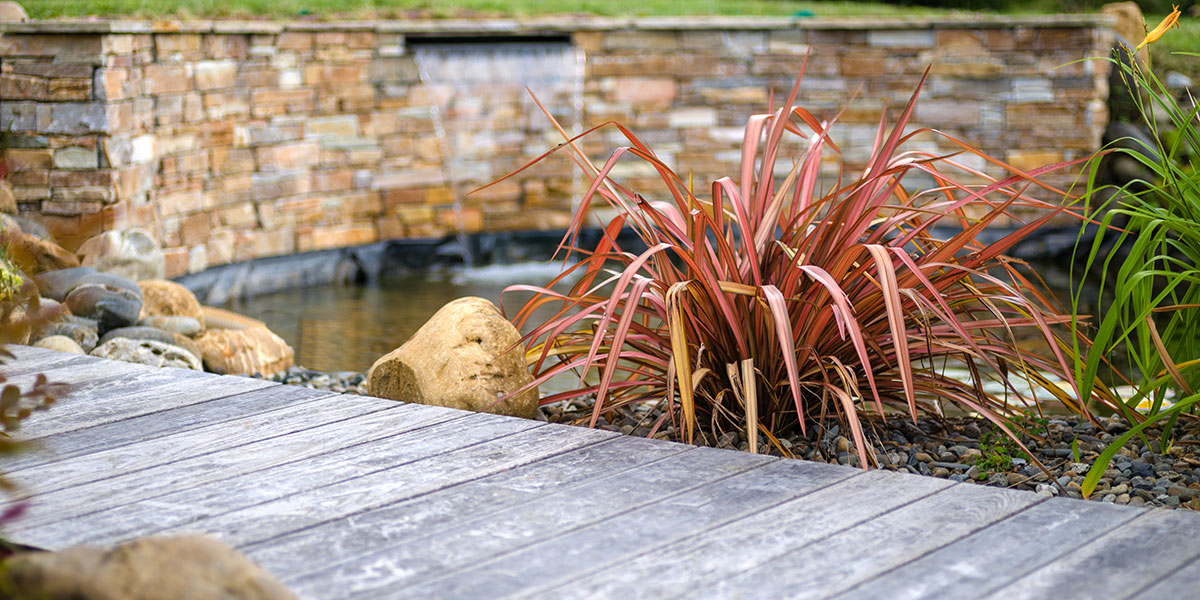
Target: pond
x,y
346,328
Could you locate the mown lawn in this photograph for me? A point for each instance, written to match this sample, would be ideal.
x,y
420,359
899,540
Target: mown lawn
x,y
45,9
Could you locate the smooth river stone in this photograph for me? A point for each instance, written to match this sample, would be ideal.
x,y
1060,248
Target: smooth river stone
x,y
111,281
181,325
80,329
57,284
112,307
153,333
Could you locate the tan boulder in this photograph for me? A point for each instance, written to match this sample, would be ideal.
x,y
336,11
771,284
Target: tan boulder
x,y
165,568
36,255
133,253
8,200
255,350
1131,25
219,318
464,357
60,343
163,298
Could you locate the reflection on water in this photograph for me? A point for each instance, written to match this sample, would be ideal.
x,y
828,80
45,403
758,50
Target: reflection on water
x,y
346,328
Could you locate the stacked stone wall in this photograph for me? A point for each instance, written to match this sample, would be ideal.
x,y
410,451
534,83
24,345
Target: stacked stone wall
x,y
234,141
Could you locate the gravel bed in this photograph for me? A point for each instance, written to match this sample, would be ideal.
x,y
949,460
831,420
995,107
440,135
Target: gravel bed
x,y
1138,475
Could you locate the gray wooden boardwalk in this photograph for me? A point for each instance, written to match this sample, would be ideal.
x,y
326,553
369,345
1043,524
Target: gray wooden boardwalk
x,y
351,497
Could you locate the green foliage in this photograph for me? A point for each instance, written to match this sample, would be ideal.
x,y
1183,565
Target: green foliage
x,y
1154,314
777,302
997,448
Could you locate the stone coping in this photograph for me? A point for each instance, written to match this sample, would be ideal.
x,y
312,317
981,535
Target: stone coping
x,y
555,24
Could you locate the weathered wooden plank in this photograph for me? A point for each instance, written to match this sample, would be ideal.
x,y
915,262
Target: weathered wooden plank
x,y
138,394
85,376
197,442
676,568
990,559
696,486
831,565
87,440
29,360
1132,556
1183,582
429,473
258,473
479,499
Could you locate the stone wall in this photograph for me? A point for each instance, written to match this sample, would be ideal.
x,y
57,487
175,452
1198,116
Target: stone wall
x,y
233,141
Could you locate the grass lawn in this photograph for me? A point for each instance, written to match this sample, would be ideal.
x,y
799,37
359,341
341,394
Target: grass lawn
x,y
46,9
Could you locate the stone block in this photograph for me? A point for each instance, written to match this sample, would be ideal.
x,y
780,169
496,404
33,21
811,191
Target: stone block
x,y
337,128
21,159
1027,160
69,89
1032,89
63,208
63,179
216,74
294,40
336,74
119,44
274,243
230,161
58,46
22,87
194,228
176,262
240,216
18,116
268,186
394,69
339,236
113,84
644,90
287,156
265,103
182,202
642,41
30,193
176,47
97,194
197,259
34,177
167,78
789,41
901,38
73,118
74,157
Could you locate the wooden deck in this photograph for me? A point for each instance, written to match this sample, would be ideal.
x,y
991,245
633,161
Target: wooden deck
x,y
351,497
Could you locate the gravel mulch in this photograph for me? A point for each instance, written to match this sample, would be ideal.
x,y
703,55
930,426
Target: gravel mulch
x,y
950,448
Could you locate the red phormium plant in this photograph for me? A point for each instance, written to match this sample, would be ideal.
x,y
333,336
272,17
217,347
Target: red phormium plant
x,y
780,302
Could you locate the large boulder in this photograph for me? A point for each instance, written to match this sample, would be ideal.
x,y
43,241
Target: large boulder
x,y
251,351
162,298
12,12
133,253
165,568
38,255
464,357
8,199
60,343
147,352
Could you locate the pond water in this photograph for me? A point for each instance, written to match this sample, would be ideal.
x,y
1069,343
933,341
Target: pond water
x,y
346,328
